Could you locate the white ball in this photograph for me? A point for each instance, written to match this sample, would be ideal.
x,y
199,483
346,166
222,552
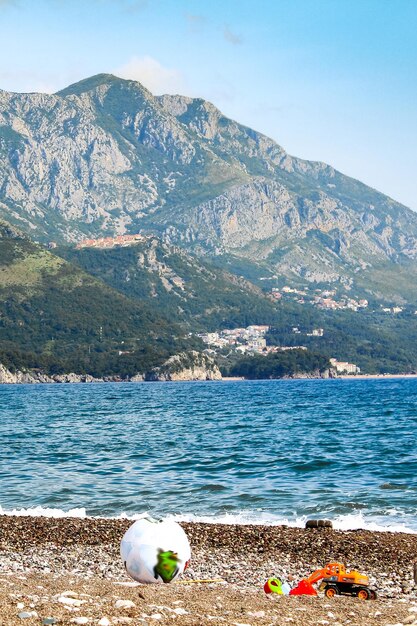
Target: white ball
x,y
155,552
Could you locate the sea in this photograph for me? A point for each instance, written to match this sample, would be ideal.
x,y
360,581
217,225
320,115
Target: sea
x,y
258,452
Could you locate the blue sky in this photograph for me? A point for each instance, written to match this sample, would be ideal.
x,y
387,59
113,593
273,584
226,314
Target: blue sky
x,y
330,80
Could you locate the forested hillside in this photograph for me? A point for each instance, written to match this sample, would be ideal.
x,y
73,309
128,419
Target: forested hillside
x,y
58,318
189,291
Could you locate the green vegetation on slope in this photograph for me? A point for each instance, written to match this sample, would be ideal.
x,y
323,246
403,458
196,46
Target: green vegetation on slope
x,y
211,299
57,318
185,288
280,364
375,341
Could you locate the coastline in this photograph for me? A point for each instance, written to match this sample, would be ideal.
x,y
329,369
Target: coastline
x,y
338,377
30,378
45,560
375,376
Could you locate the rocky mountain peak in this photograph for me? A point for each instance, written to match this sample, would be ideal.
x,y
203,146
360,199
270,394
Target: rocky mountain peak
x,y
95,82
105,157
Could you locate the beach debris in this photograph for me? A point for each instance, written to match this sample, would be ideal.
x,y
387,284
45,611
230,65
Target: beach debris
x,y
155,551
124,604
318,523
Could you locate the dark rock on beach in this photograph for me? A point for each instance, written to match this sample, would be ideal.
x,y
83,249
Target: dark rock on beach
x,y
319,523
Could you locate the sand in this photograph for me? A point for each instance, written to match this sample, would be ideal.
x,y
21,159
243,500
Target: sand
x,y
69,570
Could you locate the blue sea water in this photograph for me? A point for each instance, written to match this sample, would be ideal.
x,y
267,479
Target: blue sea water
x,y
260,452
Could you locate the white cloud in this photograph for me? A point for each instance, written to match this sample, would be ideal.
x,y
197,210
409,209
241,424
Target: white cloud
x,y
148,71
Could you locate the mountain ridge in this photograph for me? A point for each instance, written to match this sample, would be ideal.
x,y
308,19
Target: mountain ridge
x,y
104,156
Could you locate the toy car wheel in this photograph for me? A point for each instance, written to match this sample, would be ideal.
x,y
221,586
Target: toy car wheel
x,y
331,591
372,594
364,594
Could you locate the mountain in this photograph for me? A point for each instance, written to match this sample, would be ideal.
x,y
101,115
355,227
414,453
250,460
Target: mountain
x,y
105,157
58,318
201,297
128,310
186,289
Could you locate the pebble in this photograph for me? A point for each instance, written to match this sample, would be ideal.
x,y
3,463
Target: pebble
x,y
179,611
70,594
124,604
217,552
47,621
70,601
25,615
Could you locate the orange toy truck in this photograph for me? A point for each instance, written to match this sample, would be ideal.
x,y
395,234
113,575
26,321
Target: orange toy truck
x,y
336,581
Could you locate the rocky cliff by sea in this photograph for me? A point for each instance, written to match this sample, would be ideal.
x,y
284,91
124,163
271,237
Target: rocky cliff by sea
x,y
186,366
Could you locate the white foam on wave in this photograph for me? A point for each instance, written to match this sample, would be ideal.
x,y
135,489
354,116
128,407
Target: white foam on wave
x,y
352,521
255,518
39,511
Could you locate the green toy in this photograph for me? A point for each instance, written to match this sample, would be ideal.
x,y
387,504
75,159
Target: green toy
x,y
167,565
273,585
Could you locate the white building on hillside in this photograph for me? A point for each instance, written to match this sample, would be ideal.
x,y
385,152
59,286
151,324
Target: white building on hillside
x,y
343,367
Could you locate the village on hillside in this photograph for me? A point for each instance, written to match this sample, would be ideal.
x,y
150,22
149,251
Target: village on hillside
x,y
251,340
111,242
321,298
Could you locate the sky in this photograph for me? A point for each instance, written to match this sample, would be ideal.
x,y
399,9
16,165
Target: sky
x,y
329,80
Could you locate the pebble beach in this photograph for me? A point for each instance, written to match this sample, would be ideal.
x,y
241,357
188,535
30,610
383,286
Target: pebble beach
x,y
68,571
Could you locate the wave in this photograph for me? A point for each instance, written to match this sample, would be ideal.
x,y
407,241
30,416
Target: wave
x,y
39,511
341,522
352,521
